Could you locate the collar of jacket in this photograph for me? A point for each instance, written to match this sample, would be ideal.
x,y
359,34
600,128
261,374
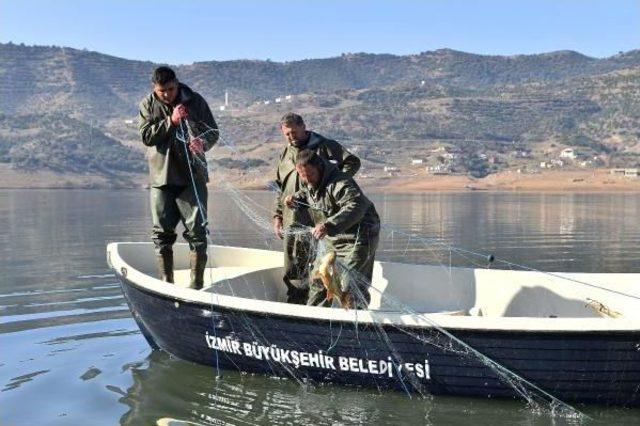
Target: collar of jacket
x,y
312,142
185,93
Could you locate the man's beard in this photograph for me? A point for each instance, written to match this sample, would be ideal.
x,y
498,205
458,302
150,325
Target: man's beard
x,y
302,142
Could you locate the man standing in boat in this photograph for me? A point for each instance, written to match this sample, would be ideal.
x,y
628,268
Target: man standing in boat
x,y
345,218
177,127
286,222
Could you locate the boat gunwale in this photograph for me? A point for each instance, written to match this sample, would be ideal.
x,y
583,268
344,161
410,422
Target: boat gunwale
x,y
152,285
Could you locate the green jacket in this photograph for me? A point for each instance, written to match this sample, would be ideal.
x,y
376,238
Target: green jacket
x,y
165,153
339,202
287,178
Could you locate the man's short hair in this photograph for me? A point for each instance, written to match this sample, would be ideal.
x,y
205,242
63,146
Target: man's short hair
x,y
307,157
291,118
163,75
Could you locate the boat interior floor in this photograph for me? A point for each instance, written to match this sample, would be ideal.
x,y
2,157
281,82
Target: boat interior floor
x,y
441,294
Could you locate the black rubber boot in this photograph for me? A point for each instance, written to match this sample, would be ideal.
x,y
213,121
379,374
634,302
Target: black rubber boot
x,y
198,262
165,266
296,295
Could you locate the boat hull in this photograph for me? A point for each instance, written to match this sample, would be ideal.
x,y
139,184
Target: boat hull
x,y
592,366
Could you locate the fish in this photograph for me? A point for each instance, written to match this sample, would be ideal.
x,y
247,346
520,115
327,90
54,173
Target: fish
x,y
327,273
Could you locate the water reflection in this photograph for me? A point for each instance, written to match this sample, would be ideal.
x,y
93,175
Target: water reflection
x,y
61,307
166,388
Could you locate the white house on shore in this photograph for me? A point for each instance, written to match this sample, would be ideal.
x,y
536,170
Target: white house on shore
x,y
551,164
569,153
440,169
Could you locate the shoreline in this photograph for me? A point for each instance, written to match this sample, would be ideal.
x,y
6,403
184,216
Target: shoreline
x,y
570,181
552,181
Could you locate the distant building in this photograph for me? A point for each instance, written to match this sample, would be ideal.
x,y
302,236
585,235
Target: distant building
x,y
569,153
551,164
278,100
630,173
450,155
128,121
440,169
391,169
417,161
519,153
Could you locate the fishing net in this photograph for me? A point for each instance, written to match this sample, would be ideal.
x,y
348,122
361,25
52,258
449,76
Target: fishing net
x,y
392,346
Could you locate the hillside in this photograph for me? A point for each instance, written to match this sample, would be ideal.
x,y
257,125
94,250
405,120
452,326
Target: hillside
x,y
488,113
90,84
62,144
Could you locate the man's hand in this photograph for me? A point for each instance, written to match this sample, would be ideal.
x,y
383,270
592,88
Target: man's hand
x,y
319,231
196,146
179,112
277,227
290,201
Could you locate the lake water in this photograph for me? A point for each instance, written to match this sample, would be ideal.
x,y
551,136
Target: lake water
x,y
71,354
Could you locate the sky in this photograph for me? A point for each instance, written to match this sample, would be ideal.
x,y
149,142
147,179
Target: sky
x,y
187,31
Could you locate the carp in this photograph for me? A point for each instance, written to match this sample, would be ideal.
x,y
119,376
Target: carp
x,y
326,272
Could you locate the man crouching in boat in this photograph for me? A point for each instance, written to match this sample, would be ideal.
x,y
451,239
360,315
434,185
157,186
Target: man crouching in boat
x,y
288,223
348,220
177,126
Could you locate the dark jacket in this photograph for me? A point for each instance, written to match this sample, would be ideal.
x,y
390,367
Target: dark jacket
x,y
288,181
339,202
165,153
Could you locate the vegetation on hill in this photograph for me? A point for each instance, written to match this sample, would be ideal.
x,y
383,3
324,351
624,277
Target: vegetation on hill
x,y
63,144
69,110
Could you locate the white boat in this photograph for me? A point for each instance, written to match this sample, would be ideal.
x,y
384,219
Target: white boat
x,y
572,336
